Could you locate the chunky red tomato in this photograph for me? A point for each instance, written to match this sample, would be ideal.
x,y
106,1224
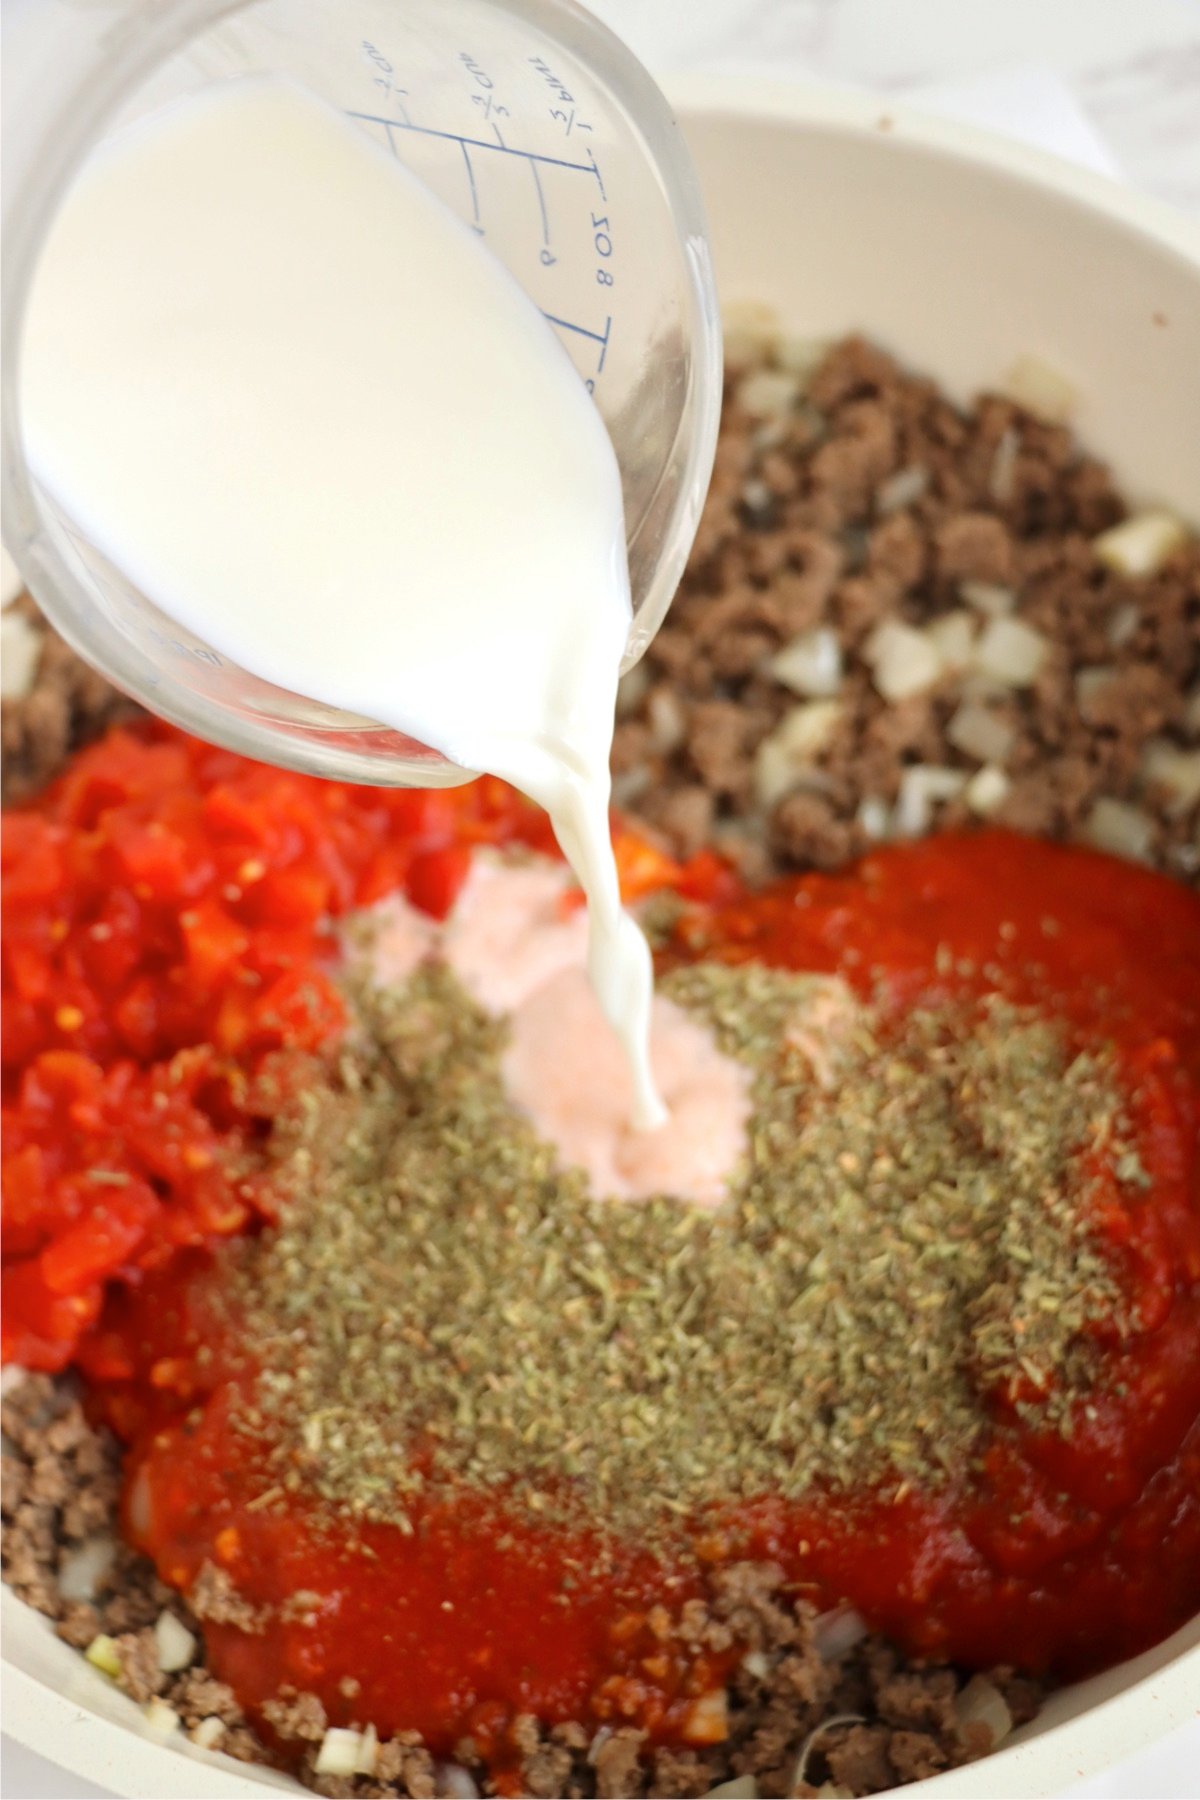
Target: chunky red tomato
x,y
167,910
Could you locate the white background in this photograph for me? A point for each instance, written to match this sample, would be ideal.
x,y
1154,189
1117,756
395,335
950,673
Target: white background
x,y
1114,83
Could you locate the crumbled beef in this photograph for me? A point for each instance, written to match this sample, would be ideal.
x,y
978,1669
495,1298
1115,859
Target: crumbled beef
x,y
620,1767
915,1755
858,1758
898,548
198,1695
79,1624
67,705
883,500
973,546
213,1595
293,1716
140,1674
404,1766
806,829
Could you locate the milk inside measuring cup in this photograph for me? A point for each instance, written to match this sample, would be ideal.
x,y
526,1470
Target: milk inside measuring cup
x,y
300,405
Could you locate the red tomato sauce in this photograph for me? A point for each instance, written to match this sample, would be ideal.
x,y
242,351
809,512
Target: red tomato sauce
x,y
1057,1553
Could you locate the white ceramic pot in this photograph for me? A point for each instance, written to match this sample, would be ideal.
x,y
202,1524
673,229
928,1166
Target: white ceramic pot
x,y
960,252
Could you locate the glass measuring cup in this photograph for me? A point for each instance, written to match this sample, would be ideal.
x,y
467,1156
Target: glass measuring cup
x,y
527,118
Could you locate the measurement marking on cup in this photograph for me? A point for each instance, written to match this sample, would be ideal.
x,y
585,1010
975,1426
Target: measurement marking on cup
x,y
474,190
458,137
537,182
597,337
595,169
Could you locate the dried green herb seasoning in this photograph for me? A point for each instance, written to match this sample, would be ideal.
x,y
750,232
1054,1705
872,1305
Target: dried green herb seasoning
x,y
908,1230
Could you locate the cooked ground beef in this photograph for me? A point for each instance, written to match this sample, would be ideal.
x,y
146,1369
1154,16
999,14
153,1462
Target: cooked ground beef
x,y
865,499
66,706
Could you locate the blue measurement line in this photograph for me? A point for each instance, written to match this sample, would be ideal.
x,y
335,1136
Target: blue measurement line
x,y
474,190
537,182
456,137
594,166
597,337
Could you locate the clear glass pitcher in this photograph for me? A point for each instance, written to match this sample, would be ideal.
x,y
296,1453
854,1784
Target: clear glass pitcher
x,y
532,122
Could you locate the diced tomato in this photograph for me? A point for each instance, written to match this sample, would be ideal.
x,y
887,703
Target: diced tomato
x,y
168,900
435,879
112,1228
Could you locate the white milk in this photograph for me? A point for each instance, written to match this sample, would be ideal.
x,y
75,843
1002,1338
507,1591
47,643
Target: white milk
x,y
293,397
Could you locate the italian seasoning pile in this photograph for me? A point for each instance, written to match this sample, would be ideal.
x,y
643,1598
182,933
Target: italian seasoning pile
x,y
441,1305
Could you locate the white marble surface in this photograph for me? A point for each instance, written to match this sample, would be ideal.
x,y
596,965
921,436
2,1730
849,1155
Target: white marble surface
x,y
1132,65
1113,83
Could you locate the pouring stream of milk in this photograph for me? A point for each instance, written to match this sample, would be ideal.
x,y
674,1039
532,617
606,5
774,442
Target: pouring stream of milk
x,y
297,402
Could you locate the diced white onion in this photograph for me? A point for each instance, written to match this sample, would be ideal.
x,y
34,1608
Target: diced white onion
x,y
1165,765
1123,624
598,1742
11,583
742,1787
802,356
456,1782
667,719
176,1645
1041,389
756,495
161,1719
368,1750
20,650
1122,829
1011,652
102,1654
921,788
987,789
339,1752
976,731
811,664
837,1631
904,661
953,637
208,1733
1004,466
797,739
81,1572
706,1720
992,597
767,392
874,817
1090,683
1141,545
808,1746
982,1704
757,1664
901,489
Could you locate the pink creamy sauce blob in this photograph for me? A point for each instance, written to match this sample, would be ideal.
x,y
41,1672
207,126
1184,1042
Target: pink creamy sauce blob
x,y
519,949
